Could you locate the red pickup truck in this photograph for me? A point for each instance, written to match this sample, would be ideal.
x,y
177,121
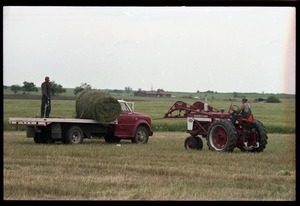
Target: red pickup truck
x,y
129,125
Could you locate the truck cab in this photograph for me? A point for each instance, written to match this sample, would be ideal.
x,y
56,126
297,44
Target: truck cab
x,y
132,124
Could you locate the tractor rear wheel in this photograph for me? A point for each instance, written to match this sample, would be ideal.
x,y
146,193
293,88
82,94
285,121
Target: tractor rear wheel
x,y
260,133
222,136
191,143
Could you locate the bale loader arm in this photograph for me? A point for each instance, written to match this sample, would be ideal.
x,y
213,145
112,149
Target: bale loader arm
x,y
187,109
179,107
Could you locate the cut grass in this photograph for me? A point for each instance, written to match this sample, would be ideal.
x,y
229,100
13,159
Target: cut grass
x,y
159,170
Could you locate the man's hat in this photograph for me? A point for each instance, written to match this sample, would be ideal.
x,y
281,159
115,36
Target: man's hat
x,y
244,100
47,78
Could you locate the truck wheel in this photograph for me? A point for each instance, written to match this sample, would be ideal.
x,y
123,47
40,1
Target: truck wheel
x,y
46,137
74,135
141,135
260,133
37,138
191,143
43,137
222,136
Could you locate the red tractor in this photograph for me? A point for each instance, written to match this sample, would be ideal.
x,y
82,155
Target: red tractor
x,y
247,134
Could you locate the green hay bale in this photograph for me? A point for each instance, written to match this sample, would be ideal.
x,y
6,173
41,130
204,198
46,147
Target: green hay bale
x,y
97,105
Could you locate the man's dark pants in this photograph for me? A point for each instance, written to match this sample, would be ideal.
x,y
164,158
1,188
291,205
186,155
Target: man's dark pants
x,y
46,102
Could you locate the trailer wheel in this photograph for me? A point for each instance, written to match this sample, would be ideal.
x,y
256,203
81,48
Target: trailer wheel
x,y
141,135
74,135
222,136
191,143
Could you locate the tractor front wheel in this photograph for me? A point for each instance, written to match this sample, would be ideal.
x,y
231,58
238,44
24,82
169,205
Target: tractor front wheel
x,y
191,143
222,136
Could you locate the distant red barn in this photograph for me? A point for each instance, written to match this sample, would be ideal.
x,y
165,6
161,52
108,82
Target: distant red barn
x,y
152,94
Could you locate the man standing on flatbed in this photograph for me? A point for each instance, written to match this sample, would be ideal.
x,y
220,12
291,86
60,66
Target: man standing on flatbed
x,y
46,97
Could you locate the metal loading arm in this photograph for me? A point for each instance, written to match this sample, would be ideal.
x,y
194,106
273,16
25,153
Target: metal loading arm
x,y
196,108
200,106
179,106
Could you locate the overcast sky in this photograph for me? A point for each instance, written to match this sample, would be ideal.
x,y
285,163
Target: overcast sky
x,y
223,49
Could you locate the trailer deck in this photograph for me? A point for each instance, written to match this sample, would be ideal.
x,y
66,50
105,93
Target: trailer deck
x,y
36,121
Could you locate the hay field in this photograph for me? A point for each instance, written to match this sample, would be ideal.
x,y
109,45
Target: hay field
x,y
159,170
278,118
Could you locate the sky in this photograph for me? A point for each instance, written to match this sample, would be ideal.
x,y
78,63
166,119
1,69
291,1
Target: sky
x,y
183,49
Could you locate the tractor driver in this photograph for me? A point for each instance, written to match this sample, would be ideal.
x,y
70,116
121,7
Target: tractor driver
x,y
245,110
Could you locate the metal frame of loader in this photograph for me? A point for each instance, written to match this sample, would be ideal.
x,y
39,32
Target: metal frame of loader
x,y
215,126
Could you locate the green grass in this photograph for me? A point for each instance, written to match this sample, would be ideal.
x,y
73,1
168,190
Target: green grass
x,y
159,170
278,118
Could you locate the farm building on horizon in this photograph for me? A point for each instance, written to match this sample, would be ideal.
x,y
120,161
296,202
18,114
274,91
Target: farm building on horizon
x,y
261,100
152,93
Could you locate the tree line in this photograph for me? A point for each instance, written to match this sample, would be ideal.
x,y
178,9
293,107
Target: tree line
x,y
57,88
31,87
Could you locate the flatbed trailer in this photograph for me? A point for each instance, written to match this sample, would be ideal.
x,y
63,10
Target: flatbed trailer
x,y
129,125
37,121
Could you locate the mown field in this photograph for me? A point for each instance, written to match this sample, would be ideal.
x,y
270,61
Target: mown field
x,y
159,170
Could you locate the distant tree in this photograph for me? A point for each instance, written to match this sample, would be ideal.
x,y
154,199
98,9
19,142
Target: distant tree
x,y
5,87
209,91
57,88
81,88
160,90
235,95
29,87
15,88
273,99
128,89
116,91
